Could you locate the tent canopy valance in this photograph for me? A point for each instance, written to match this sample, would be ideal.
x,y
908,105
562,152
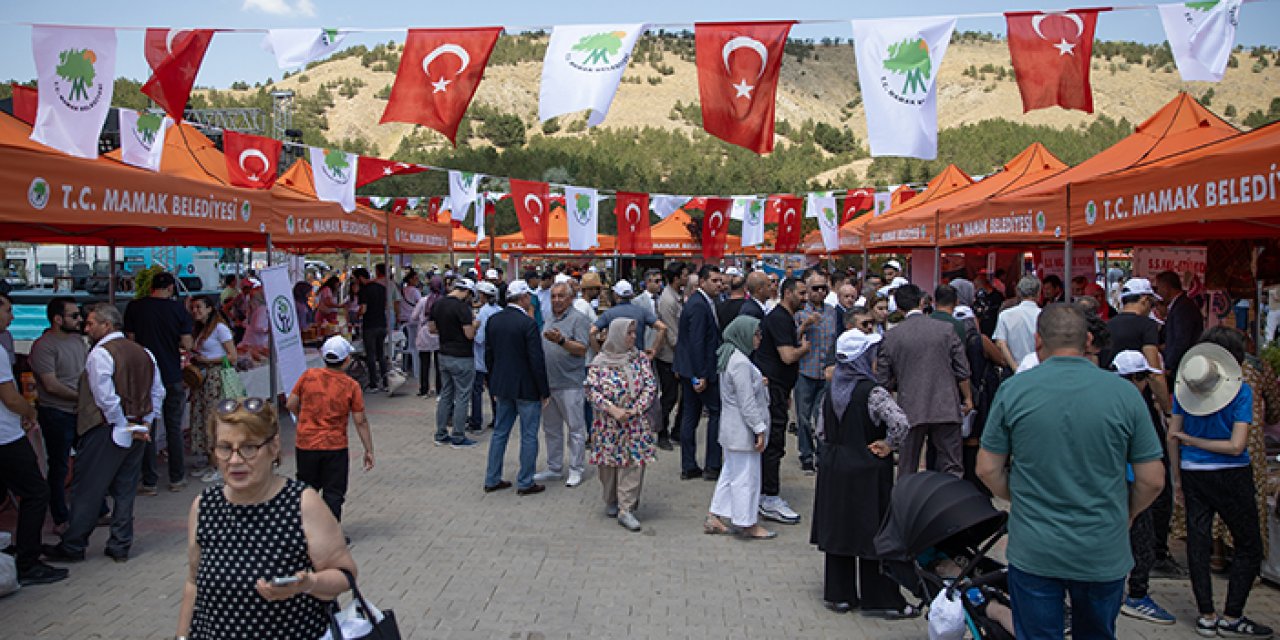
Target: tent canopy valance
x,y
557,238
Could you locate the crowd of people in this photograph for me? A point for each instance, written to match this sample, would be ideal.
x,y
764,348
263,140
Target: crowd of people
x,y
868,376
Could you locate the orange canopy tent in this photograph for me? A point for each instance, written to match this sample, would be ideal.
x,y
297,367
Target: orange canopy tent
x,y
1228,189
948,181
671,237
56,198
1037,213
557,238
921,225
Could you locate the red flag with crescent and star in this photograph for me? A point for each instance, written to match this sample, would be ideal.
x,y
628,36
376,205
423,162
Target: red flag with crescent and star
x,y
738,65
26,100
439,72
1051,56
252,161
531,202
374,169
856,201
715,227
174,56
790,222
632,210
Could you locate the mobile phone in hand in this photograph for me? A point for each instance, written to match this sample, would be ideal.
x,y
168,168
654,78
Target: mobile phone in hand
x,y
284,581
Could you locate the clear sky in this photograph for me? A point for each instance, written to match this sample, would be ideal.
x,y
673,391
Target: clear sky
x,y
237,56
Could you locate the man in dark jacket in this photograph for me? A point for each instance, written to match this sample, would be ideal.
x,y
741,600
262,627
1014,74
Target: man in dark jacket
x,y
1183,323
696,365
518,380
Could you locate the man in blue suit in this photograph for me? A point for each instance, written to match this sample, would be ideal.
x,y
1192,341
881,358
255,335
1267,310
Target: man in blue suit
x,y
518,380
696,365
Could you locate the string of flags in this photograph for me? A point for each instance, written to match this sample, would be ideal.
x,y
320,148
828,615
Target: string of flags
x,y
738,67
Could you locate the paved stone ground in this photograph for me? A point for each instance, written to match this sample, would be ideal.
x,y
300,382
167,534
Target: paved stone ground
x,y
454,562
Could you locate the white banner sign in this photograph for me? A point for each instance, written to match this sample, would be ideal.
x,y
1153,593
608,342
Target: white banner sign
x,y
1148,261
1083,263
283,316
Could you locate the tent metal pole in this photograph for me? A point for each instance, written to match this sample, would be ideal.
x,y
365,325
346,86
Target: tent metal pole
x,y
274,362
111,274
1066,270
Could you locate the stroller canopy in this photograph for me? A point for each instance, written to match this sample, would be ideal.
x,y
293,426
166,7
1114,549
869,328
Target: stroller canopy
x,y
929,508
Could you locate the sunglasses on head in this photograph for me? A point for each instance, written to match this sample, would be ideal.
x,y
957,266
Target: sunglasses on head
x,y
231,405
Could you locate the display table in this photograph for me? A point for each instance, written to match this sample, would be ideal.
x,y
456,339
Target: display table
x,y
257,381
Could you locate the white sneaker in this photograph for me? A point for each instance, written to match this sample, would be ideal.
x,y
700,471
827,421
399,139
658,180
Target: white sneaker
x,y
776,509
212,476
543,476
575,479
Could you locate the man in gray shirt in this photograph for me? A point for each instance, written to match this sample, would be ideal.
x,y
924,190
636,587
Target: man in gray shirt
x,y
57,359
564,347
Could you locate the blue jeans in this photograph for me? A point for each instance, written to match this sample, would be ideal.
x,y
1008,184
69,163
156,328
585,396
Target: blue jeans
x,y
530,416
808,393
59,429
1038,613
457,376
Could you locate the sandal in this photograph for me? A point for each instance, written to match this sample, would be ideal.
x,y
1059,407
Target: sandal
x,y
713,526
767,535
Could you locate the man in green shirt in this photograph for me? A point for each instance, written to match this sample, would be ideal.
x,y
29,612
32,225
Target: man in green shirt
x,y
1071,504
945,298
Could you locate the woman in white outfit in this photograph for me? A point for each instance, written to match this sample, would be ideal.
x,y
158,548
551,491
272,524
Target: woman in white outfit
x,y
744,430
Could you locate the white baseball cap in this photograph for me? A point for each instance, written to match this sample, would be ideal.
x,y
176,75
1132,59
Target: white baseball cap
x,y
963,313
561,278
1138,286
1130,362
336,349
464,283
491,274
853,343
733,272
517,288
623,289
487,288
894,264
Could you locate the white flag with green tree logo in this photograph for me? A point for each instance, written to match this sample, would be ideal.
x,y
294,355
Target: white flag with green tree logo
x,y
822,205
142,138
75,71
582,68
581,211
1201,35
334,173
296,47
898,62
752,220
462,193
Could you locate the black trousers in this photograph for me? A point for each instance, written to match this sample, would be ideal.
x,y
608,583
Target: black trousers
x,y
669,389
1228,493
327,473
20,474
424,368
1142,543
103,469
175,400
776,449
375,350
843,576
59,429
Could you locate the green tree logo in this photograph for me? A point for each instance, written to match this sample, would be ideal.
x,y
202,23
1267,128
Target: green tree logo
x,y
755,211
289,225
337,166
38,193
148,128
1090,213
582,208
1202,6
1040,221
829,215
282,314
76,66
911,59
328,37
600,46
246,210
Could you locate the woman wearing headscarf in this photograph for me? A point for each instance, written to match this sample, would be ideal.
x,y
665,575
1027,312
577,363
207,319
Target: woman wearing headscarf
x,y
860,425
427,343
620,387
744,431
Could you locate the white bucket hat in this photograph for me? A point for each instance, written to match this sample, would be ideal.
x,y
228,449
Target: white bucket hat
x,y
1208,379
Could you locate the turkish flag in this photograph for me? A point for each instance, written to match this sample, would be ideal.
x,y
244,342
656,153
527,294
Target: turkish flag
x,y
174,56
715,227
531,201
738,66
790,221
1051,56
26,100
252,161
365,201
373,169
632,210
856,201
398,206
439,72
433,210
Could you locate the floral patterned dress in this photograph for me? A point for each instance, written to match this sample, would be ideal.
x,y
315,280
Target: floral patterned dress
x,y
621,444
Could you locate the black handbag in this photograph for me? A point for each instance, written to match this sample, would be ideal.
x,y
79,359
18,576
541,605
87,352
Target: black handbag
x,y
384,629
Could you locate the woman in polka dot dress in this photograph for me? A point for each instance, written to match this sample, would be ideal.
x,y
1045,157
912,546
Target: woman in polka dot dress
x,y
255,527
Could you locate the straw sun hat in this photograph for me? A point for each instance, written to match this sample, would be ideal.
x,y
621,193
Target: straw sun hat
x,y
1208,379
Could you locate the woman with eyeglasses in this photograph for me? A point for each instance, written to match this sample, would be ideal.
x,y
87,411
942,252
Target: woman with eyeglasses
x,y
265,555
214,344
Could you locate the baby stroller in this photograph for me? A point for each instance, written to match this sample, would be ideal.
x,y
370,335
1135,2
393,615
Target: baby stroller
x,y
937,520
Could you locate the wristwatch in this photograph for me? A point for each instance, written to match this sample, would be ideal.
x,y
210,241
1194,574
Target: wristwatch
x,y
562,341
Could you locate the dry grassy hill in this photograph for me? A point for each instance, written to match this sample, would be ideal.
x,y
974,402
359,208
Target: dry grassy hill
x,y
976,83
